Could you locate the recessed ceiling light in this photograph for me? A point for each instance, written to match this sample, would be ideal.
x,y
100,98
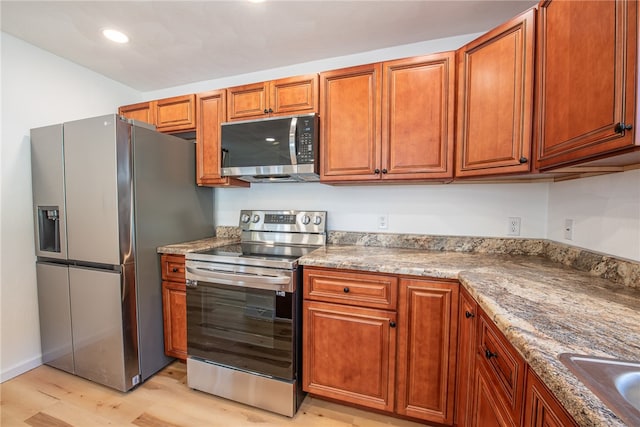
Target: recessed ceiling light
x,y
115,36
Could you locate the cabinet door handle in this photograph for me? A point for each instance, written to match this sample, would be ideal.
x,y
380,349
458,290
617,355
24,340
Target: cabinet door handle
x,y
266,111
523,160
468,314
621,127
376,171
174,270
384,171
392,324
346,290
489,355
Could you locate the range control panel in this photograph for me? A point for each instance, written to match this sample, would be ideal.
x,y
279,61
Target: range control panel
x,y
285,221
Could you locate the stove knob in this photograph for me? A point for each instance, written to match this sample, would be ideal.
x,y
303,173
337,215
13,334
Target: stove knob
x,y
256,218
305,219
317,220
245,218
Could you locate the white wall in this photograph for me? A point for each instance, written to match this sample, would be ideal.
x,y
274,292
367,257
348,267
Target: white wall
x,y
37,89
605,212
453,209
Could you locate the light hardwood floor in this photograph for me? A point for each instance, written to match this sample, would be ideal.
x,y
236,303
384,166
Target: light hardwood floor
x,y
47,397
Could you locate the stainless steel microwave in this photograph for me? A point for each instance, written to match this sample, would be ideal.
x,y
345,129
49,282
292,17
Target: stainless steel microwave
x,y
279,149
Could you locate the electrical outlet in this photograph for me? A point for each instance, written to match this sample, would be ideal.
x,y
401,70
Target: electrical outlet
x,y
568,229
514,226
383,222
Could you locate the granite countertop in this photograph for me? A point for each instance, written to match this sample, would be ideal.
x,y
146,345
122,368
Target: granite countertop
x,y
544,308
196,245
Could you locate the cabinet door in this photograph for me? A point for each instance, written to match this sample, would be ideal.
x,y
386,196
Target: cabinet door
x,y
211,113
174,307
248,101
503,371
488,410
427,334
542,409
466,357
176,114
143,111
349,354
495,100
418,117
350,124
586,79
294,95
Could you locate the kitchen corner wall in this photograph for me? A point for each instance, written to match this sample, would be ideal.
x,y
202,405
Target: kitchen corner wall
x,y
605,211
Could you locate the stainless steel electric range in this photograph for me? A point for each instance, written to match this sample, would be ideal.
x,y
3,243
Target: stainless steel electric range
x,y
244,305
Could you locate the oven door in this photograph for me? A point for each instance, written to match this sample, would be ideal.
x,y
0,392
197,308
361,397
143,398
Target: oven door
x,y
243,317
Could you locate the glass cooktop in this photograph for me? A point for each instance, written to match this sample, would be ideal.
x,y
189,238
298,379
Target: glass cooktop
x,y
256,254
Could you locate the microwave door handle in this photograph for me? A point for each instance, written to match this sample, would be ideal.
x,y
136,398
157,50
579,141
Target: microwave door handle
x,y
292,140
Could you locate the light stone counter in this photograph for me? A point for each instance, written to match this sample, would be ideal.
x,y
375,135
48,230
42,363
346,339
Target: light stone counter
x,y
543,307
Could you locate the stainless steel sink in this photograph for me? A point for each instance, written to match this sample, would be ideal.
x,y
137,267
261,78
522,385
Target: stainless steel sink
x,y
615,382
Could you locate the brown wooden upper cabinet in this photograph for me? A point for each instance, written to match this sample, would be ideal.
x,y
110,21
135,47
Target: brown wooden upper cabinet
x,y
495,100
293,95
176,114
586,80
388,121
142,111
211,107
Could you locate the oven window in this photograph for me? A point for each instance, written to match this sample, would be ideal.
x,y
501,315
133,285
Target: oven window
x,y
243,328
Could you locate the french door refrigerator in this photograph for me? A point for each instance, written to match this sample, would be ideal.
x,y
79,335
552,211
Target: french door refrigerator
x,y
106,193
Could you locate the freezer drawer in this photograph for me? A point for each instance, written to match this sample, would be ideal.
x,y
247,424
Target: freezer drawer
x,y
104,346
55,315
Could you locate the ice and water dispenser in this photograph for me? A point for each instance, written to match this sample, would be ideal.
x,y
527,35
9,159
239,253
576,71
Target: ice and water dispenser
x,y
49,228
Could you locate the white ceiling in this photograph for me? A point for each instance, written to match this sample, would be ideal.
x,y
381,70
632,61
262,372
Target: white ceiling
x,y
180,42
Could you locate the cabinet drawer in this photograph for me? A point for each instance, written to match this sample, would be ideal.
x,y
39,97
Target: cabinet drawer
x,y
346,287
173,268
505,367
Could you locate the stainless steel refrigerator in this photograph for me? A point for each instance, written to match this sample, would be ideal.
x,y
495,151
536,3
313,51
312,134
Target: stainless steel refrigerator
x,y
106,194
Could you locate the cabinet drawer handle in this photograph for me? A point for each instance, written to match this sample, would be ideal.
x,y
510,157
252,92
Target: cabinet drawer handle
x,y
489,355
392,324
175,269
346,290
468,314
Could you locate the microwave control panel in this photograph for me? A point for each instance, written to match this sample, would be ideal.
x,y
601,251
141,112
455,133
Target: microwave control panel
x,y
307,139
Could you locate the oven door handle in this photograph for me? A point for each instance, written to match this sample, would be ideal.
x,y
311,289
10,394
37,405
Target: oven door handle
x,y
248,280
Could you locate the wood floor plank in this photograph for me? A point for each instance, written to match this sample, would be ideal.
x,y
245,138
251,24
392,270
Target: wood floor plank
x,y
47,397
43,420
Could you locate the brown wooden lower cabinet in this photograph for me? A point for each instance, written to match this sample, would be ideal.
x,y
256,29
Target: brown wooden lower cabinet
x,y
349,354
488,408
174,306
396,361
467,314
495,386
427,332
542,409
